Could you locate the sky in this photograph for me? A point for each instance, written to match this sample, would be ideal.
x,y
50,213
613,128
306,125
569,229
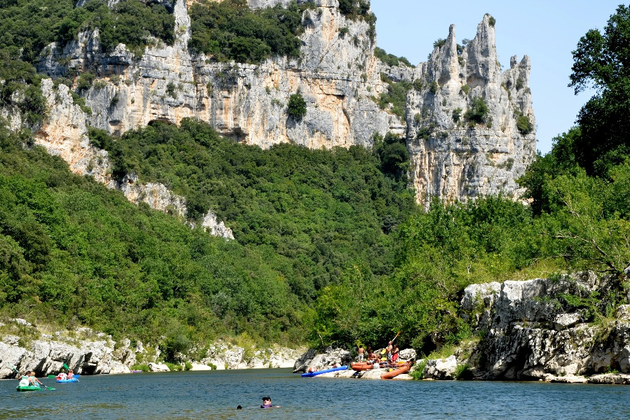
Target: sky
x,y
547,31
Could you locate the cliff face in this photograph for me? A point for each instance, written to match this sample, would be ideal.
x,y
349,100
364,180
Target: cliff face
x,y
338,76
457,150
532,332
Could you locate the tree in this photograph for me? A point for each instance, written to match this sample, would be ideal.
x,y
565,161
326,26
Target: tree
x,y
602,61
297,106
590,232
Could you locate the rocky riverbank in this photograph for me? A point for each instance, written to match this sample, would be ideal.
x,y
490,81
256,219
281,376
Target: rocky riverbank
x,y
561,329
31,347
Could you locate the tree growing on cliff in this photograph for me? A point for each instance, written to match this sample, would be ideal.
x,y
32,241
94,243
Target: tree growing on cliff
x,y
297,106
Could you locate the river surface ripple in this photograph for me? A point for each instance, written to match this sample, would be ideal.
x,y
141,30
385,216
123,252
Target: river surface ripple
x,y
215,395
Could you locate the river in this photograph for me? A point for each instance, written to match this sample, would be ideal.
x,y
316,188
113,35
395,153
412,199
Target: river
x,y
216,394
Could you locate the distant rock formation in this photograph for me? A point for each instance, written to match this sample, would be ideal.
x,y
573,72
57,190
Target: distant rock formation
x,y
458,149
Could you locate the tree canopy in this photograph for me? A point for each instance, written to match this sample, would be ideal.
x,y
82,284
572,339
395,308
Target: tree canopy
x,y
602,60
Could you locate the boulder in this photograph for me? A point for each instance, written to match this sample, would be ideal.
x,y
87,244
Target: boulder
x,y
441,368
302,363
200,367
158,367
610,379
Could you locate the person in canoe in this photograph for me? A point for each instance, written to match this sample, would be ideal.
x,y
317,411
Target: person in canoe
x,y
70,374
62,376
33,381
25,380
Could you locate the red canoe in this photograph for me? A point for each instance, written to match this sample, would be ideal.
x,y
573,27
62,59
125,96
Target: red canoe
x,y
360,366
396,372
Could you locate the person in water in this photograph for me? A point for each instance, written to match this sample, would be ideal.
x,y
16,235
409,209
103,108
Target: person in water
x,y
267,403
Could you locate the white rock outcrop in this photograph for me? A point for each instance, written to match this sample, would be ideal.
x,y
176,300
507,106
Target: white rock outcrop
x,y
532,332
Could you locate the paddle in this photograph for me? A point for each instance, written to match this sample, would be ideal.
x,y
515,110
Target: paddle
x,y
50,388
394,339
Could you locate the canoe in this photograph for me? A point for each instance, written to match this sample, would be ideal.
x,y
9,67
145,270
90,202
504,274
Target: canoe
x,y
396,372
28,388
361,366
51,376
319,372
67,381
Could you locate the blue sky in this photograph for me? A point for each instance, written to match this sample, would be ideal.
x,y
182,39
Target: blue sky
x,y
547,31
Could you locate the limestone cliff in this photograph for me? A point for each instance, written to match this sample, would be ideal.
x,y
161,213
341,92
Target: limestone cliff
x,y
459,149
339,77
543,329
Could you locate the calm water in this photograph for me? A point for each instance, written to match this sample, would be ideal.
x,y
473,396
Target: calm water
x,y
215,395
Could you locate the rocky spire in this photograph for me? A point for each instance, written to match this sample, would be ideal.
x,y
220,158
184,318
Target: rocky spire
x,y
462,126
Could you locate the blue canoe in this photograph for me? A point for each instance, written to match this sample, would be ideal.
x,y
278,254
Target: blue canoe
x,y
67,381
310,374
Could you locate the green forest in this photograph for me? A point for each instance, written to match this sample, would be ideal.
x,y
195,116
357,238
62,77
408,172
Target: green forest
x,y
329,249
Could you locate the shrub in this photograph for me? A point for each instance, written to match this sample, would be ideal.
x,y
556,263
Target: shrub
x,y
434,87
478,111
297,106
439,43
425,132
524,125
390,59
457,113
396,96
85,81
170,90
143,367
417,372
463,372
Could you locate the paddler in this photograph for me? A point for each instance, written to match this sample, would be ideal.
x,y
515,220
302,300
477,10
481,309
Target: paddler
x,y
33,381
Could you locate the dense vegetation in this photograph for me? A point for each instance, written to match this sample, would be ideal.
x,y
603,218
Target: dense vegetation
x,y
77,253
29,26
578,220
330,247
323,210
230,30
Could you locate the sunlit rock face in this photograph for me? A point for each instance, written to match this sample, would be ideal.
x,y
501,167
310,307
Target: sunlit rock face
x,y
530,332
455,157
338,75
